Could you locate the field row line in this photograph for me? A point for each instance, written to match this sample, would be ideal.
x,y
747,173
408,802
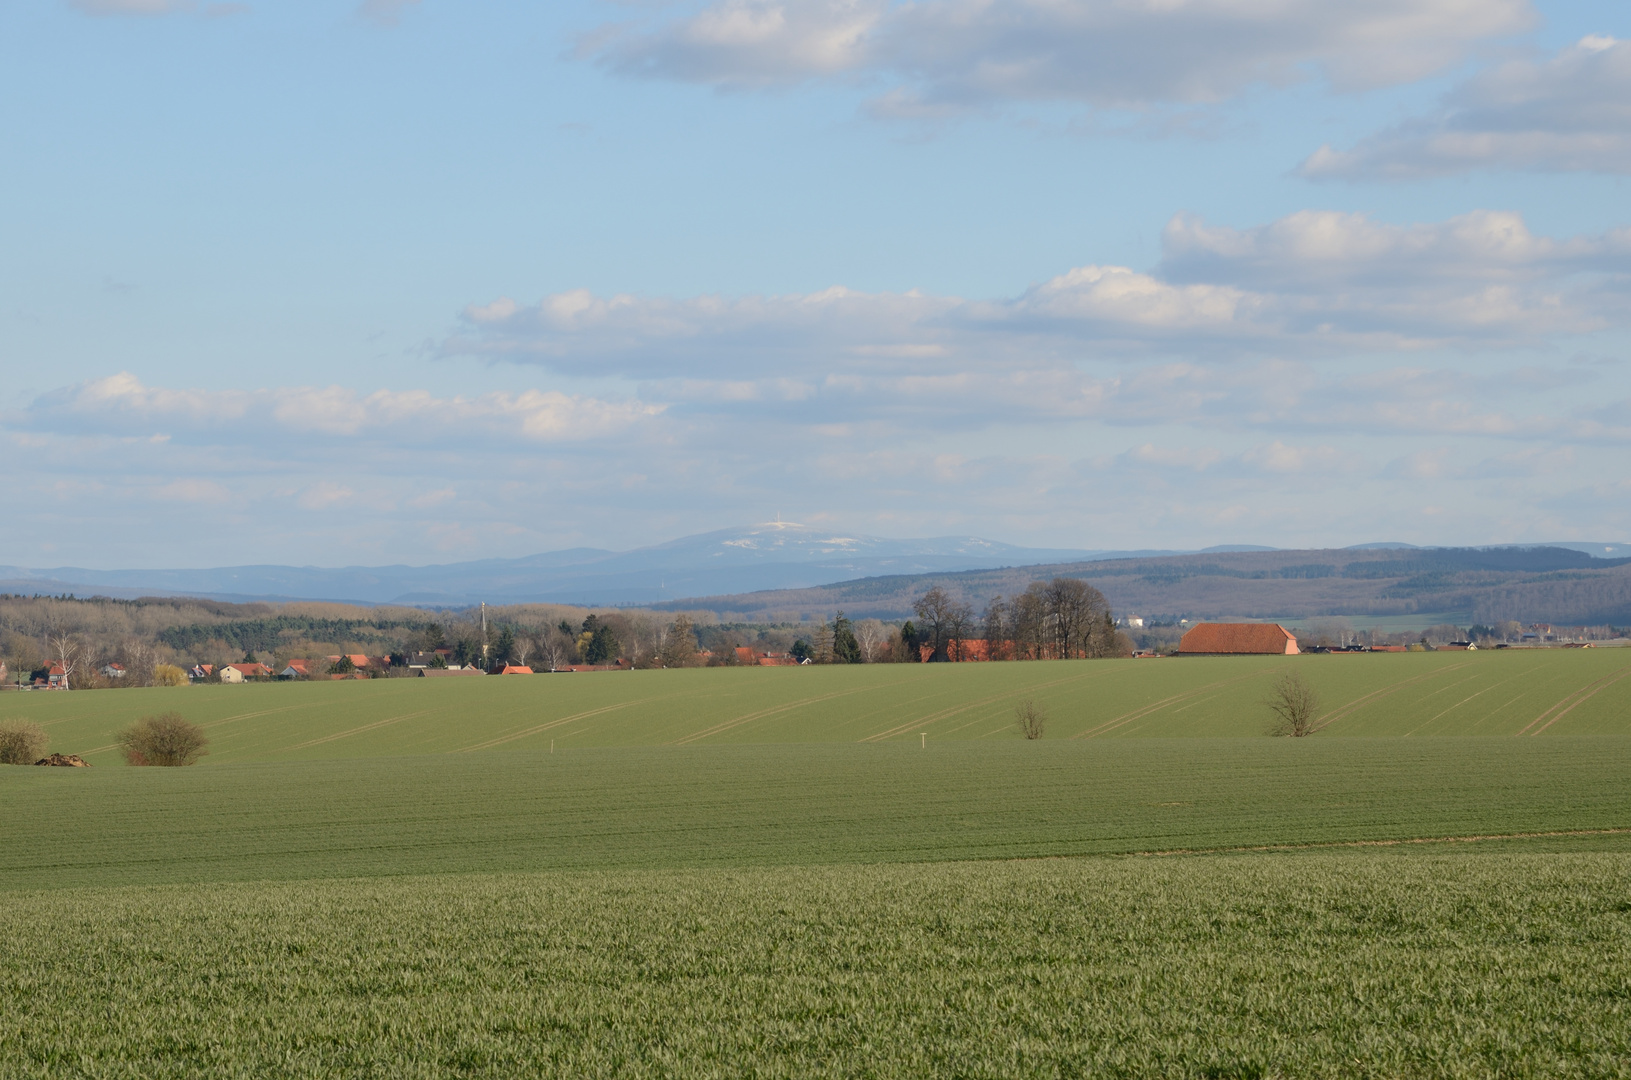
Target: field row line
x,y
512,737
1573,700
353,731
1342,712
1316,844
748,718
945,714
1146,710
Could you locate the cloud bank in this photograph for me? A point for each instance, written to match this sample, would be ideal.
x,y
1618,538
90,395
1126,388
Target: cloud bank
x,y
1568,113
1313,283
1323,377
1103,53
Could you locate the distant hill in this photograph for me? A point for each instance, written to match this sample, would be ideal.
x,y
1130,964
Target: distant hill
x,y
775,555
782,569
1546,583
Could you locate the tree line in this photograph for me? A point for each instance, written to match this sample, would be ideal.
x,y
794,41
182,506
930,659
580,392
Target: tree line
x,y
1062,619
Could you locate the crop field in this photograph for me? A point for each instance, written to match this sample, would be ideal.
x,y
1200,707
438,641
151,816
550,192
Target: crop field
x,y
836,872
1511,692
1369,964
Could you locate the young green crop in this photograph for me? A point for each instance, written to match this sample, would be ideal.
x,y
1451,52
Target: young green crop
x,y
1363,964
791,804
1528,692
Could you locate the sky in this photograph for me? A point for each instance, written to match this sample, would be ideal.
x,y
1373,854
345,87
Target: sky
x,y
406,281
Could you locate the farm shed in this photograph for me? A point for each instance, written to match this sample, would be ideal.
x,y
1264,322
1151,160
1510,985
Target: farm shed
x,y
1238,639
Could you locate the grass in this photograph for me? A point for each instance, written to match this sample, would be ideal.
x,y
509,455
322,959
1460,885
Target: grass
x,y
1315,965
765,872
1531,692
791,805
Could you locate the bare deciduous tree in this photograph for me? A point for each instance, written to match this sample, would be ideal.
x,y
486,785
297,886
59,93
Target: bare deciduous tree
x,y
934,612
996,629
1030,718
679,644
871,634
139,658
1294,703
959,625
67,649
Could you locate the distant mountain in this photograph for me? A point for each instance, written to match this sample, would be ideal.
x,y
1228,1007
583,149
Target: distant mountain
x,y
775,555
1551,583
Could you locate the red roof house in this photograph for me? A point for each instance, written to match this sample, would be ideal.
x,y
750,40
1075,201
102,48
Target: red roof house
x,y
1238,639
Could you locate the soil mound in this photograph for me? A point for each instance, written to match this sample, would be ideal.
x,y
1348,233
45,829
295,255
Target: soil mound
x,y
73,761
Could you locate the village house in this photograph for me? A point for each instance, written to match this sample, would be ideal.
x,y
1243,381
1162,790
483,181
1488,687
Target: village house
x,y
237,673
296,669
1238,639
113,671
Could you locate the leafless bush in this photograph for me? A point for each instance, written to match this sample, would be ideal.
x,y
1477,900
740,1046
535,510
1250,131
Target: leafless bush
x,y
1030,718
1294,703
165,739
21,743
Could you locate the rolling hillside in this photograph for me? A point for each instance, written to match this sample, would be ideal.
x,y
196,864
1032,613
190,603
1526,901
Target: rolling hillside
x,y
1548,584
1547,693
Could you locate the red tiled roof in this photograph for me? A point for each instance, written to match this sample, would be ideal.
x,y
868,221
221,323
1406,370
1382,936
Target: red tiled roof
x,y
1239,639
516,669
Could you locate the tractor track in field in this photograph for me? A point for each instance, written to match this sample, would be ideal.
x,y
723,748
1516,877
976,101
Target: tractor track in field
x,y
1456,706
934,718
353,731
540,728
219,723
1314,845
1571,701
1342,712
1156,706
749,718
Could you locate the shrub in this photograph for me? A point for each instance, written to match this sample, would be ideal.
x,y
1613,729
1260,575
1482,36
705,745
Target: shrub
x,y
1030,718
165,739
1294,703
21,743
168,675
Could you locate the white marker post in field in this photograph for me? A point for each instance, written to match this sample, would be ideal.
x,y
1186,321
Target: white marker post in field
x,y
925,735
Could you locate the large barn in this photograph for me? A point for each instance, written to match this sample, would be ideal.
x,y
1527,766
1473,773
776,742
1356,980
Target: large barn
x,y
1238,639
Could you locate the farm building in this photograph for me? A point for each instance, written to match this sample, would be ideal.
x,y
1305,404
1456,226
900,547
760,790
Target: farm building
x,y
1238,639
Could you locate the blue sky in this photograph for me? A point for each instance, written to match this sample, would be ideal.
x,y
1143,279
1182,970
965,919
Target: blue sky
x,y
322,283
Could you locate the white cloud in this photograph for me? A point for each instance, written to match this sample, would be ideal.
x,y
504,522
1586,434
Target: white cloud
x,y
123,404
1569,113
1312,283
1106,53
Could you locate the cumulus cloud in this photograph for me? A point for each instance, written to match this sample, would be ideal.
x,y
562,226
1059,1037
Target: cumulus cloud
x,y
1568,113
1105,53
122,404
1312,283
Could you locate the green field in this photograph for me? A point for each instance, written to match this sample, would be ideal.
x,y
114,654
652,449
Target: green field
x,y
772,872
1530,692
